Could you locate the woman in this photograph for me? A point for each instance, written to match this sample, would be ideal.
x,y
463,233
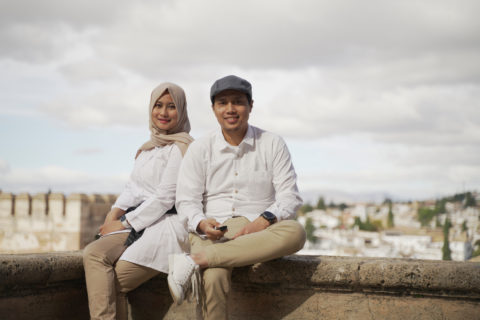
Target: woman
x,y
111,267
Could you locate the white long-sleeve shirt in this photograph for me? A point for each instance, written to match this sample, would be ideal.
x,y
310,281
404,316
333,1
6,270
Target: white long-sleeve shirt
x,y
218,180
153,181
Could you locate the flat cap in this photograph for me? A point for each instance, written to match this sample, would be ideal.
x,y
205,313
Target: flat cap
x,y
231,83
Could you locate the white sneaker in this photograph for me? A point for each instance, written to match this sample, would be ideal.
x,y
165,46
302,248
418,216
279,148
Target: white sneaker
x,y
183,273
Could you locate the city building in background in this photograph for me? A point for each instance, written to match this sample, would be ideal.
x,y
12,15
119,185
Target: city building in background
x,y
443,229
447,228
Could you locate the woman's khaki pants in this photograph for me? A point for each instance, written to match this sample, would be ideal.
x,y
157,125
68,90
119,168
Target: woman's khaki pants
x,y
109,280
280,239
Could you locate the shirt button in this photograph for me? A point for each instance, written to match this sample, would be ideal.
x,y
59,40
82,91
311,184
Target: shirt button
x,y
236,191
233,209
236,173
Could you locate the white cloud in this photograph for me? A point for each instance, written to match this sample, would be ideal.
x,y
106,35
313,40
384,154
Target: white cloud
x,y
108,107
88,70
360,166
402,76
404,183
4,167
59,179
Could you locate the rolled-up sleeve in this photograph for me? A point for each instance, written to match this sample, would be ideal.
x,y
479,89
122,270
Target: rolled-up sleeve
x,y
191,186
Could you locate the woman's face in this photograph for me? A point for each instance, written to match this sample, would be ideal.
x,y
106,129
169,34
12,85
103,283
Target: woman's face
x,y
164,113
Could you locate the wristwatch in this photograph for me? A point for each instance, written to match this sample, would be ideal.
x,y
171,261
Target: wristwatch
x,y
123,220
270,217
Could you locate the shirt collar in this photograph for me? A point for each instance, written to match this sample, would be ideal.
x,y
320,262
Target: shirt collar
x,y
223,145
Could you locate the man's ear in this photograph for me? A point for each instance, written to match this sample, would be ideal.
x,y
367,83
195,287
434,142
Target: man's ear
x,y
251,106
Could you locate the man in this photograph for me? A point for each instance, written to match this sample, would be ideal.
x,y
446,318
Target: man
x,y
240,177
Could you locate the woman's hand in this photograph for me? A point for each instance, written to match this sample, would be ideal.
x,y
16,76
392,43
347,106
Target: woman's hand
x,y
111,226
256,225
206,226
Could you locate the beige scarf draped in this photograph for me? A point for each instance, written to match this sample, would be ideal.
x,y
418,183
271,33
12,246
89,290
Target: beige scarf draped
x,y
178,134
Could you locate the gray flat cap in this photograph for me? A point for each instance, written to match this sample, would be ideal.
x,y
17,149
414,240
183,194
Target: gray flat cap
x,y
231,83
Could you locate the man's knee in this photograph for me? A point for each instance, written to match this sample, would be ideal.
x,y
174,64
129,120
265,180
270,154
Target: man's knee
x,y
295,235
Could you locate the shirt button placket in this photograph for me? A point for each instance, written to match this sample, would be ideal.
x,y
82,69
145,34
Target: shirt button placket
x,y
235,166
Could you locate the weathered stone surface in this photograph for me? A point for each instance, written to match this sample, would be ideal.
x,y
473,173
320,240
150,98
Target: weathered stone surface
x,y
51,286
32,270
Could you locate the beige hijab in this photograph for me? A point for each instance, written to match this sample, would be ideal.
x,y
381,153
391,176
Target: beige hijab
x,y
178,134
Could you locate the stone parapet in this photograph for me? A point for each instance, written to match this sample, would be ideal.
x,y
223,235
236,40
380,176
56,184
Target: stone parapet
x,y
7,201
47,222
294,287
23,205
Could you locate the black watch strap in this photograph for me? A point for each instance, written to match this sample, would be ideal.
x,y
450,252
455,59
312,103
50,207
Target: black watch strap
x,y
270,217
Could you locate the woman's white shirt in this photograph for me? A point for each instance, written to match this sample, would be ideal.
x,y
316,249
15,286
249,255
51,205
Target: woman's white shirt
x,y
153,181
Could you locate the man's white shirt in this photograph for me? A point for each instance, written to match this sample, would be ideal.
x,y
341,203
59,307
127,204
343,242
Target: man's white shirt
x,y
221,181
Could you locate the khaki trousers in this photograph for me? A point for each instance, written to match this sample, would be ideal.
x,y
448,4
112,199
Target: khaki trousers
x,y
108,280
280,239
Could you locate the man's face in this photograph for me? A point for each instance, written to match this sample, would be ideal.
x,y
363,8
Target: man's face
x,y
232,110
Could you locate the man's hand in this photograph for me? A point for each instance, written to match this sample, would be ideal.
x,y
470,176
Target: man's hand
x,y
111,226
206,226
256,225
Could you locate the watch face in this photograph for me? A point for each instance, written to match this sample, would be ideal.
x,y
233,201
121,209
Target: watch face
x,y
269,216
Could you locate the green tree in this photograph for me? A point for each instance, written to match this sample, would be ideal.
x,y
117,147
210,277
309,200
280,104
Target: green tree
x,y
390,222
321,204
378,225
310,230
476,249
469,200
307,207
425,215
367,225
440,205
446,252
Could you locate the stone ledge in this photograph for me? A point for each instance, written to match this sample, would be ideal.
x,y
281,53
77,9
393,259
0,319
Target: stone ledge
x,y
404,276
442,278
37,270
293,287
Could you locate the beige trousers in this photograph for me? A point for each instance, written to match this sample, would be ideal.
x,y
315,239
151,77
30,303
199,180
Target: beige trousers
x,y
280,239
108,280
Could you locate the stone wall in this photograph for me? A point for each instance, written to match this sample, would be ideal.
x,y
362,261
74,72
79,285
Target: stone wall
x,y
51,286
48,222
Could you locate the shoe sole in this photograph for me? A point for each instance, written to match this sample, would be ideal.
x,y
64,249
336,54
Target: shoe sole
x,y
171,283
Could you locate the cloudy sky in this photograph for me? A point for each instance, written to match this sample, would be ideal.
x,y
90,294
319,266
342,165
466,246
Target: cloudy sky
x,y
374,98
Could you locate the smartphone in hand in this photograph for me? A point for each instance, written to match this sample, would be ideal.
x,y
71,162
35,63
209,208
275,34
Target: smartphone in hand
x,y
221,228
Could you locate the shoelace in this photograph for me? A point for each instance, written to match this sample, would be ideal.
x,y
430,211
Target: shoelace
x,y
195,286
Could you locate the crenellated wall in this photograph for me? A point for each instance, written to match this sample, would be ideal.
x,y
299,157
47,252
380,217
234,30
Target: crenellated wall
x,y
51,286
47,222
